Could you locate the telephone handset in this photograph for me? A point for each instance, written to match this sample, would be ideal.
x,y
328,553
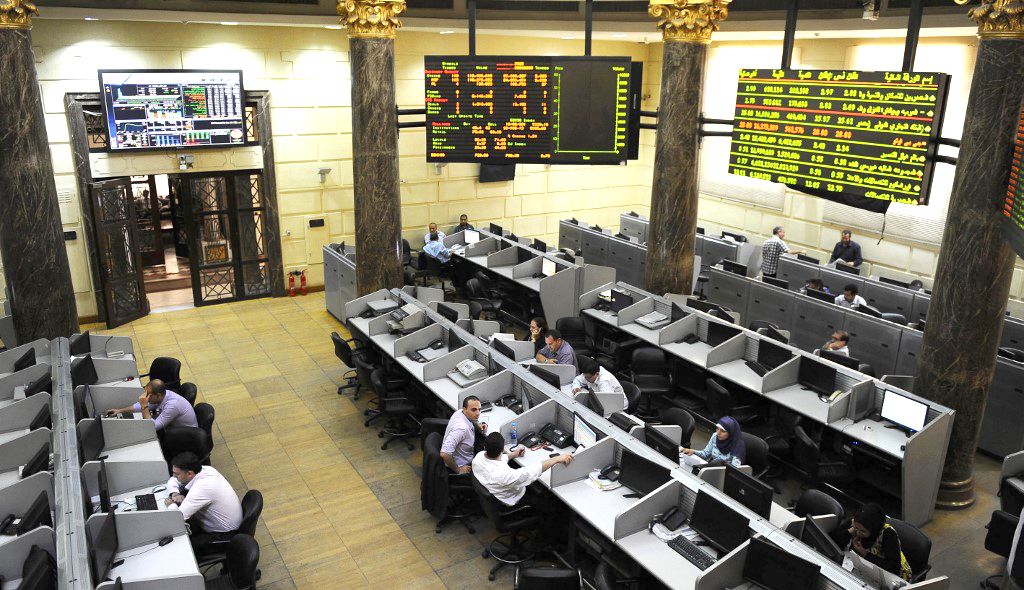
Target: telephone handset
x,y
553,435
611,472
671,519
471,369
691,339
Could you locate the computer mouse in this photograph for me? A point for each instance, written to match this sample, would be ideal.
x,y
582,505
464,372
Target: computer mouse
x,y
166,540
547,448
159,489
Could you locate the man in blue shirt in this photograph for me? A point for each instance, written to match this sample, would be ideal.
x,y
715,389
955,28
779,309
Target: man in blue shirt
x,y
436,249
557,351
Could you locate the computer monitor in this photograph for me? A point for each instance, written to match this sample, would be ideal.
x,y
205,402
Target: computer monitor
x,y
448,312
622,421
539,245
79,344
749,491
836,357
548,267
775,335
701,305
820,295
582,433
81,407
549,377
39,571
495,229
471,236
816,376
678,312
847,268
659,441
39,462
42,418
775,282
90,439
868,310
83,371
593,403
37,515
903,411
722,527
568,258
104,487
40,384
25,361
772,355
574,221
640,475
772,568
597,228
620,301
806,258
502,244
817,539
735,236
501,347
723,314
889,281
719,333
523,255
735,267
104,547
513,238
700,230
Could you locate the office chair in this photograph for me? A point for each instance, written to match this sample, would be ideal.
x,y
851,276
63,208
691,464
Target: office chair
x,y
241,565
1002,529
205,415
867,370
757,454
575,333
447,496
721,403
354,359
682,419
406,253
409,278
510,522
896,318
756,325
166,369
252,508
547,578
180,439
818,472
394,406
632,396
189,391
435,268
475,294
594,332
649,371
1011,483
475,310
916,546
818,503
429,425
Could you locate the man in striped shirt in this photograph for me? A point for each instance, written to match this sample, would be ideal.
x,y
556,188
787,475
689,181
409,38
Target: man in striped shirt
x,y
772,249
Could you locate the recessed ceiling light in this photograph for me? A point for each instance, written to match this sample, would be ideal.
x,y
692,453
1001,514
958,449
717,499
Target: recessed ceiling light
x,y
229,24
447,32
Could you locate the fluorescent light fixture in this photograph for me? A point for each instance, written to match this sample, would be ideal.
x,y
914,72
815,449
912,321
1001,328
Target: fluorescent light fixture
x,y
91,18
229,24
333,27
447,32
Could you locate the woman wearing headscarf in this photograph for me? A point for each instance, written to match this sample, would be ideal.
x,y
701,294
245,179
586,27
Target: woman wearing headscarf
x,y
874,539
726,445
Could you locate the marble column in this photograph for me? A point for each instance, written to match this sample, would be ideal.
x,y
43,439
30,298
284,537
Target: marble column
x,y
687,27
31,239
975,265
378,205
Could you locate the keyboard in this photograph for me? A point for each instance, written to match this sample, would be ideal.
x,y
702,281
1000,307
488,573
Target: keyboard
x,y
757,368
691,552
145,502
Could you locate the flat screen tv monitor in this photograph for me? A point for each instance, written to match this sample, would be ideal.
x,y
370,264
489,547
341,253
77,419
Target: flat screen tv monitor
x,y
820,295
678,312
79,396
771,355
806,258
170,109
83,371
40,384
454,342
104,486
90,439
659,441
42,418
701,305
497,172
735,267
523,255
840,359
775,335
80,344
816,376
546,375
548,267
719,333
847,268
903,411
37,515
772,568
722,527
620,301
495,229
503,348
734,236
104,547
568,258
863,404
820,541
889,281
471,236
868,310
539,245
640,475
582,433
25,361
775,282
447,312
39,462
593,403
749,491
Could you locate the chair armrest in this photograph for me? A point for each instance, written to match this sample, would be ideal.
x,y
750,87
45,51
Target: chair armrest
x,y
831,463
1012,465
141,375
517,510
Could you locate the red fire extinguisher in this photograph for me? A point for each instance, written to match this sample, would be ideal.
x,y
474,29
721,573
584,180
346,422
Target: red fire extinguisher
x,y
291,284
302,282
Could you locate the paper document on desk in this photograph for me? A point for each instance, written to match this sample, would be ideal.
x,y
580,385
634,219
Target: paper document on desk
x,y
604,485
690,460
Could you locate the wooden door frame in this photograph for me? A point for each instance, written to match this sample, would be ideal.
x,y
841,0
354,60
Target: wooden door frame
x,y
84,127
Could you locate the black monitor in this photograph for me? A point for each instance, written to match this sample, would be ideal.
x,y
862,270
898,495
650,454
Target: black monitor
x,y
847,268
772,355
772,568
640,475
524,255
808,259
633,214
839,358
40,384
659,441
37,515
513,238
90,440
594,404
574,221
722,313
735,267
539,245
568,258
104,486
39,571
719,333
42,419
775,335
39,462
79,345
816,376
495,229
889,281
25,361
749,491
701,305
620,300
721,526
820,295
735,236
83,371
454,342
820,541
447,312
503,348
678,312
597,228
775,282
700,230
502,244
549,377
104,547
868,310
622,421
79,397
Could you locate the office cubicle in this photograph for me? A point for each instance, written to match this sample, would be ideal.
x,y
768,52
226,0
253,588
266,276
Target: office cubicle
x,y
339,278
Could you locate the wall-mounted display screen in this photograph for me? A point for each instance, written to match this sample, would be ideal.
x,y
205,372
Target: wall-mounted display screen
x,y
167,109
848,136
1013,208
548,110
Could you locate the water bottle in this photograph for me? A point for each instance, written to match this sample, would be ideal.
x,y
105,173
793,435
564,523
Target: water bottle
x,y
512,435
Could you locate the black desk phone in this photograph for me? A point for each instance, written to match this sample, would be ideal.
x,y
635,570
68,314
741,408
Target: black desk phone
x,y
611,473
556,437
672,519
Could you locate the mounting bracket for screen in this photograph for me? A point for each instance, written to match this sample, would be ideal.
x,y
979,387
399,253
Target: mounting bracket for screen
x,y
702,121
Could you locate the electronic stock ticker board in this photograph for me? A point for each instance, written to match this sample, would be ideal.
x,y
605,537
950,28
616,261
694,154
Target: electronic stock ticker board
x,y
1013,207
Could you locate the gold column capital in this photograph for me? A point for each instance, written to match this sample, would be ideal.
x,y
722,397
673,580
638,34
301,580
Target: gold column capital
x,y
370,18
688,21
17,14
998,18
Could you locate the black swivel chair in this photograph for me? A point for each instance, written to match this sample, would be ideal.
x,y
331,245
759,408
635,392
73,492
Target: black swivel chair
x,y
916,546
547,578
409,278
896,318
574,332
205,415
354,359
459,503
867,370
241,565
722,403
650,372
252,508
757,454
999,540
394,405
476,294
166,369
180,439
756,325
818,503
819,472
682,419
510,522
434,268
189,391
406,252
632,396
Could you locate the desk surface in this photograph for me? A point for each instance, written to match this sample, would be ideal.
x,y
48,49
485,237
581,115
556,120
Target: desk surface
x,y
739,373
801,400
601,506
696,353
664,563
146,451
171,560
875,434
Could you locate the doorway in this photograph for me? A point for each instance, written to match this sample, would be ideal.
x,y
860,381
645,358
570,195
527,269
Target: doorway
x,y
166,267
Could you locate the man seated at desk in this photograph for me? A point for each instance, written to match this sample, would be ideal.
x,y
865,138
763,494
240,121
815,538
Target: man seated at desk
x,y
508,485
846,251
726,445
432,229
435,248
460,436
556,351
463,224
815,284
850,298
594,377
163,406
205,499
839,343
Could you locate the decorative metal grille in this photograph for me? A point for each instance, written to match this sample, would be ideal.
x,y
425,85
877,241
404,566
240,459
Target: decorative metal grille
x,y
252,133
126,299
216,283
210,193
250,233
95,127
255,191
113,206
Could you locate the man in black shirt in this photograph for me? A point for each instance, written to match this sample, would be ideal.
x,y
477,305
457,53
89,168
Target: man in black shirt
x,y
846,251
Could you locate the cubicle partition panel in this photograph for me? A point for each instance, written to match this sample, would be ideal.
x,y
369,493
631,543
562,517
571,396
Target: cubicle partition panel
x,y
169,567
716,250
425,294
837,280
8,383
919,310
873,341
123,476
19,496
797,272
729,290
1001,432
12,354
111,370
923,456
357,306
770,304
557,293
13,553
20,414
1013,333
730,350
889,299
909,353
595,246
637,517
814,322
490,389
634,226
15,453
594,276
570,235
604,453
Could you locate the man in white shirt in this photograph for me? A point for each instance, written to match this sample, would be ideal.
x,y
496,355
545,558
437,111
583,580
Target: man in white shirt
x,y
491,468
850,298
205,499
594,377
432,229
840,343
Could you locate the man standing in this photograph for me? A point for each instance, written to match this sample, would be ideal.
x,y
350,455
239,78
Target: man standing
x,y
460,436
556,351
463,224
163,406
432,229
850,298
846,251
508,485
205,499
772,249
594,377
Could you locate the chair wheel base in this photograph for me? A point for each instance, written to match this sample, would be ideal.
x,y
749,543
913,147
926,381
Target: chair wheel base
x,y
490,577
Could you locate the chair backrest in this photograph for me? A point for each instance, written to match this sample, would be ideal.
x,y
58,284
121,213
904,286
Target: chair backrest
x,y
648,360
341,349
205,415
243,558
474,290
916,545
475,309
719,400
547,578
806,452
432,425
632,395
604,578
431,446
682,419
757,453
867,370
492,506
818,503
409,278
252,507
572,328
406,251
189,391
166,369
896,318
180,439
758,324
